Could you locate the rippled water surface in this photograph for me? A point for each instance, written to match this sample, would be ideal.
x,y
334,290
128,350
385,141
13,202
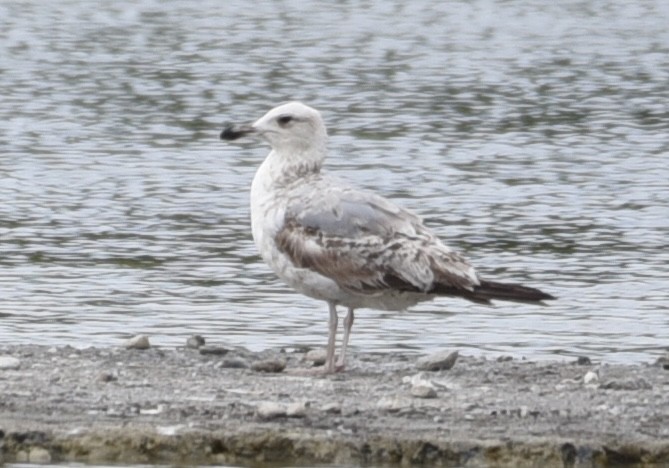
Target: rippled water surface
x,y
531,135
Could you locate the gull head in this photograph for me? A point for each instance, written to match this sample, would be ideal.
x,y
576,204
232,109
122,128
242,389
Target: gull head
x,y
291,129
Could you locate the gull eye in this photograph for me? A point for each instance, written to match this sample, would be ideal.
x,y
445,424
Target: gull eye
x,y
284,120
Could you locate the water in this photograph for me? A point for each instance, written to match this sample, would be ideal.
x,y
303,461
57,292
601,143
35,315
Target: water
x,y
531,135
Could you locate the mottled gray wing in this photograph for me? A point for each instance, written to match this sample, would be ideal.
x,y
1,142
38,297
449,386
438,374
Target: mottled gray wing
x,y
343,211
367,244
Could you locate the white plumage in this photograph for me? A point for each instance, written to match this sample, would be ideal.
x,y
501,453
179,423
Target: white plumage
x,y
342,245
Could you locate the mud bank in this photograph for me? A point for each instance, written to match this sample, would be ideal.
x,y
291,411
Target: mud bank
x,y
182,406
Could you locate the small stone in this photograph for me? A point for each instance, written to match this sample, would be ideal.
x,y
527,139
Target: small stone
x,y
583,361
423,391
234,363
271,410
152,411
420,380
316,357
137,342
296,410
663,361
332,408
442,360
631,384
213,350
269,365
590,377
195,342
9,363
505,358
106,376
393,404
39,455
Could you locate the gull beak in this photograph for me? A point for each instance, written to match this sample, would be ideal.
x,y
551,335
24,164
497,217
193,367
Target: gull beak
x,y
233,132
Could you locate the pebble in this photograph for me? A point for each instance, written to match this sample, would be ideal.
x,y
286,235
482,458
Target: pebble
x,y
195,342
423,391
590,378
663,361
421,380
9,363
269,365
442,360
630,384
39,455
332,408
296,410
393,404
213,350
106,376
583,361
272,409
234,363
137,342
152,411
316,357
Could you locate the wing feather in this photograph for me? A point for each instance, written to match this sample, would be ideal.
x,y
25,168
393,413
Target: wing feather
x,y
368,245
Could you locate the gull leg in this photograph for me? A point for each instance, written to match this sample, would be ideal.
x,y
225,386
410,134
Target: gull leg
x,y
348,324
330,355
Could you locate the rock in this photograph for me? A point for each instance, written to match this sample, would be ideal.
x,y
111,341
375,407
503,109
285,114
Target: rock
x,y
39,455
106,376
442,360
213,350
583,361
663,361
9,363
420,383
234,363
195,342
152,411
137,342
423,391
296,410
269,365
504,358
630,384
271,410
393,404
331,408
316,357
590,378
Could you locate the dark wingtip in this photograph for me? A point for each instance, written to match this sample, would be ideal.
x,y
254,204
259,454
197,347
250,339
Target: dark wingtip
x,y
232,132
511,292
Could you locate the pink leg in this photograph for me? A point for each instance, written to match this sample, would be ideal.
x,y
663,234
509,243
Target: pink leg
x,y
348,324
330,355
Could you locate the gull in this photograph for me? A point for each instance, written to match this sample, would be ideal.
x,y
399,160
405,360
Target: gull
x,y
348,247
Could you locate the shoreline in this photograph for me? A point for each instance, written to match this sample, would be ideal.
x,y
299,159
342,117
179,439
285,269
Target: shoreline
x,y
233,406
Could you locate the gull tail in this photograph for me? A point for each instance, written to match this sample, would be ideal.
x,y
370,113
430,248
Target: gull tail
x,y
490,290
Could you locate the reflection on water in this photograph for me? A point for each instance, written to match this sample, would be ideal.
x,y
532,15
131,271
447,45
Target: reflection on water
x,y
531,136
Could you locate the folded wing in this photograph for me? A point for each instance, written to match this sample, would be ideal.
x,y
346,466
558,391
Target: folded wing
x,y
368,245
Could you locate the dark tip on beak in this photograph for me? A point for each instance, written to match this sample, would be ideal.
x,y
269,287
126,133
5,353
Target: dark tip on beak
x,y
232,132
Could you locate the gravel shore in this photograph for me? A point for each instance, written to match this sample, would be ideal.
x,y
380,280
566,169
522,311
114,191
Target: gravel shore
x,y
209,405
